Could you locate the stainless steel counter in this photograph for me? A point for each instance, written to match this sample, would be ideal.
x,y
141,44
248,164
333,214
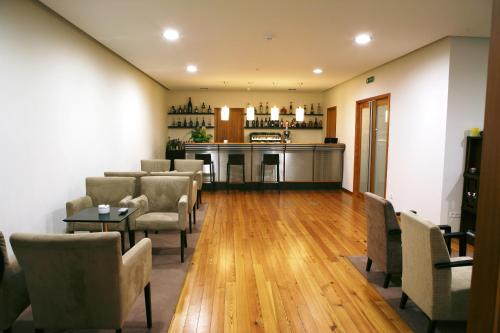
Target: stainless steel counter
x,y
299,163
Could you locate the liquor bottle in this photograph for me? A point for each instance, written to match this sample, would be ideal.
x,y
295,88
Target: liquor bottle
x,y
281,123
196,109
312,108
291,108
190,122
203,122
185,123
179,124
197,123
260,108
267,107
319,108
172,109
261,122
266,122
247,123
305,109
179,109
203,108
253,123
209,109
190,106
315,122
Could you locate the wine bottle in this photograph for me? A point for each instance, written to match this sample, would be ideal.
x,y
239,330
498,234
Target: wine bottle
x,y
291,108
196,109
266,122
179,109
190,122
190,106
203,108
267,107
203,122
305,109
257,122
185,122
260,108
247,123
281,123
261,122
312,108
253,123
209,109
197,123
172,109
315,122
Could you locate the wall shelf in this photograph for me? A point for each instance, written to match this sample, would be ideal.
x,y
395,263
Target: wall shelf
x,y
191,114
289,128
190,127
290,114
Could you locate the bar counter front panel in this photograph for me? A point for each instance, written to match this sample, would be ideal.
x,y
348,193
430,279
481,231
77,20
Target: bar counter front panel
x,y
299,163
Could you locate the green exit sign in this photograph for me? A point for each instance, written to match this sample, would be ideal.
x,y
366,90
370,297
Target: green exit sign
x,y
370,79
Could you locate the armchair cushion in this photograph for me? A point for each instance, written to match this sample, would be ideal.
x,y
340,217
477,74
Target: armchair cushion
x,y
157,221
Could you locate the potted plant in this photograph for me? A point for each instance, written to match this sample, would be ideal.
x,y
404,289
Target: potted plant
x,y
175,150
199,135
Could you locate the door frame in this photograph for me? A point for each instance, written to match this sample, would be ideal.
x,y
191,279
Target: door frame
x,y
217,119
357,143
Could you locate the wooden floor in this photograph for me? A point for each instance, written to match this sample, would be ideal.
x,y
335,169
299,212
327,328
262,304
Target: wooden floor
x,y
270,262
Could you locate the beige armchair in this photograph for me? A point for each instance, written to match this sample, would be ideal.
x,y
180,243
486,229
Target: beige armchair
x,y
383,236
136,174
193,189
82,281
437,284
195,166
115,191
157,165
163,205
14,297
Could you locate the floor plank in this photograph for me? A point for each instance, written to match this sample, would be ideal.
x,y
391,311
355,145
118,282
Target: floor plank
x,y
275,262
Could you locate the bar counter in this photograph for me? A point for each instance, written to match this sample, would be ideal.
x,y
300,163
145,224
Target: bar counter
x,y
301,164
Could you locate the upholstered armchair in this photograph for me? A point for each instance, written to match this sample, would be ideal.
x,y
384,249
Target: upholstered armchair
x,y
383,236
136,174
437,284
157,165
193,189
114,191
14,297
195,166
82,281
163,205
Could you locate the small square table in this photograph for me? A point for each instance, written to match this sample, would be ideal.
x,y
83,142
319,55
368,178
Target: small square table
x,y
91,215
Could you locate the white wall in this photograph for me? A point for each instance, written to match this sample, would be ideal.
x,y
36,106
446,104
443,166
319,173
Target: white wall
x,y
466,102
239,99
69,109
418,84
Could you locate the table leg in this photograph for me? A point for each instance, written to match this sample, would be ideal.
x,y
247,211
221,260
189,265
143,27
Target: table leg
x,y
104,227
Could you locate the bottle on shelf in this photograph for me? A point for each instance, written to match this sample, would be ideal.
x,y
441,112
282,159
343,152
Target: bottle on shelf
x,y
291,108
253,123
320,123
172,109
316,122
203,108
209,122
185,123
209,109
203,122
318,108
305,109
196,109
179,109
261,122
312,108
247,123
190,106
197,123
266,122
267,107
173,122
260,108
257,122
190,122
281,123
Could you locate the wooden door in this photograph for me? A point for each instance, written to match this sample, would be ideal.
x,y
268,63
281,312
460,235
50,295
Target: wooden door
x,y
371,145
484,307
331,122
231,130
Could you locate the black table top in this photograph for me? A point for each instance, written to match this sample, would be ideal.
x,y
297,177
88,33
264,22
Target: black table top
x,y
92,215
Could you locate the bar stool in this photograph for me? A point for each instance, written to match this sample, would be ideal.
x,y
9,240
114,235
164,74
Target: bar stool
x,y
207,160
234,159
274,160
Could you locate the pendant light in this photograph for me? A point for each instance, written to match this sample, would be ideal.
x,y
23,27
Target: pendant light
x,y
250,112
275,113
224,113
299,113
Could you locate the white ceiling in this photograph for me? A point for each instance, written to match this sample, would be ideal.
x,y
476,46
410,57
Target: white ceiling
x,y
225,39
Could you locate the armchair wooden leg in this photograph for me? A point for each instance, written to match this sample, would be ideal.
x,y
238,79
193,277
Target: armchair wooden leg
x,y
131,238
190,223
432,326
8,330
194,215
185,240
404,299
182,245
368,265
146,234
201,191
147,299
387,280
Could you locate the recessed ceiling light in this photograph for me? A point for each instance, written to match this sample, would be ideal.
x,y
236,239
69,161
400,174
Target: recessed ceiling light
x,y
171,34
317,71
192,68
363,39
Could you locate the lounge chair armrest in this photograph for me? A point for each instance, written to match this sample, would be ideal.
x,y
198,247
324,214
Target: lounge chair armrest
x,y
456,263
136,272
74,206
141,203
445,227
123,202
462,238
183,210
